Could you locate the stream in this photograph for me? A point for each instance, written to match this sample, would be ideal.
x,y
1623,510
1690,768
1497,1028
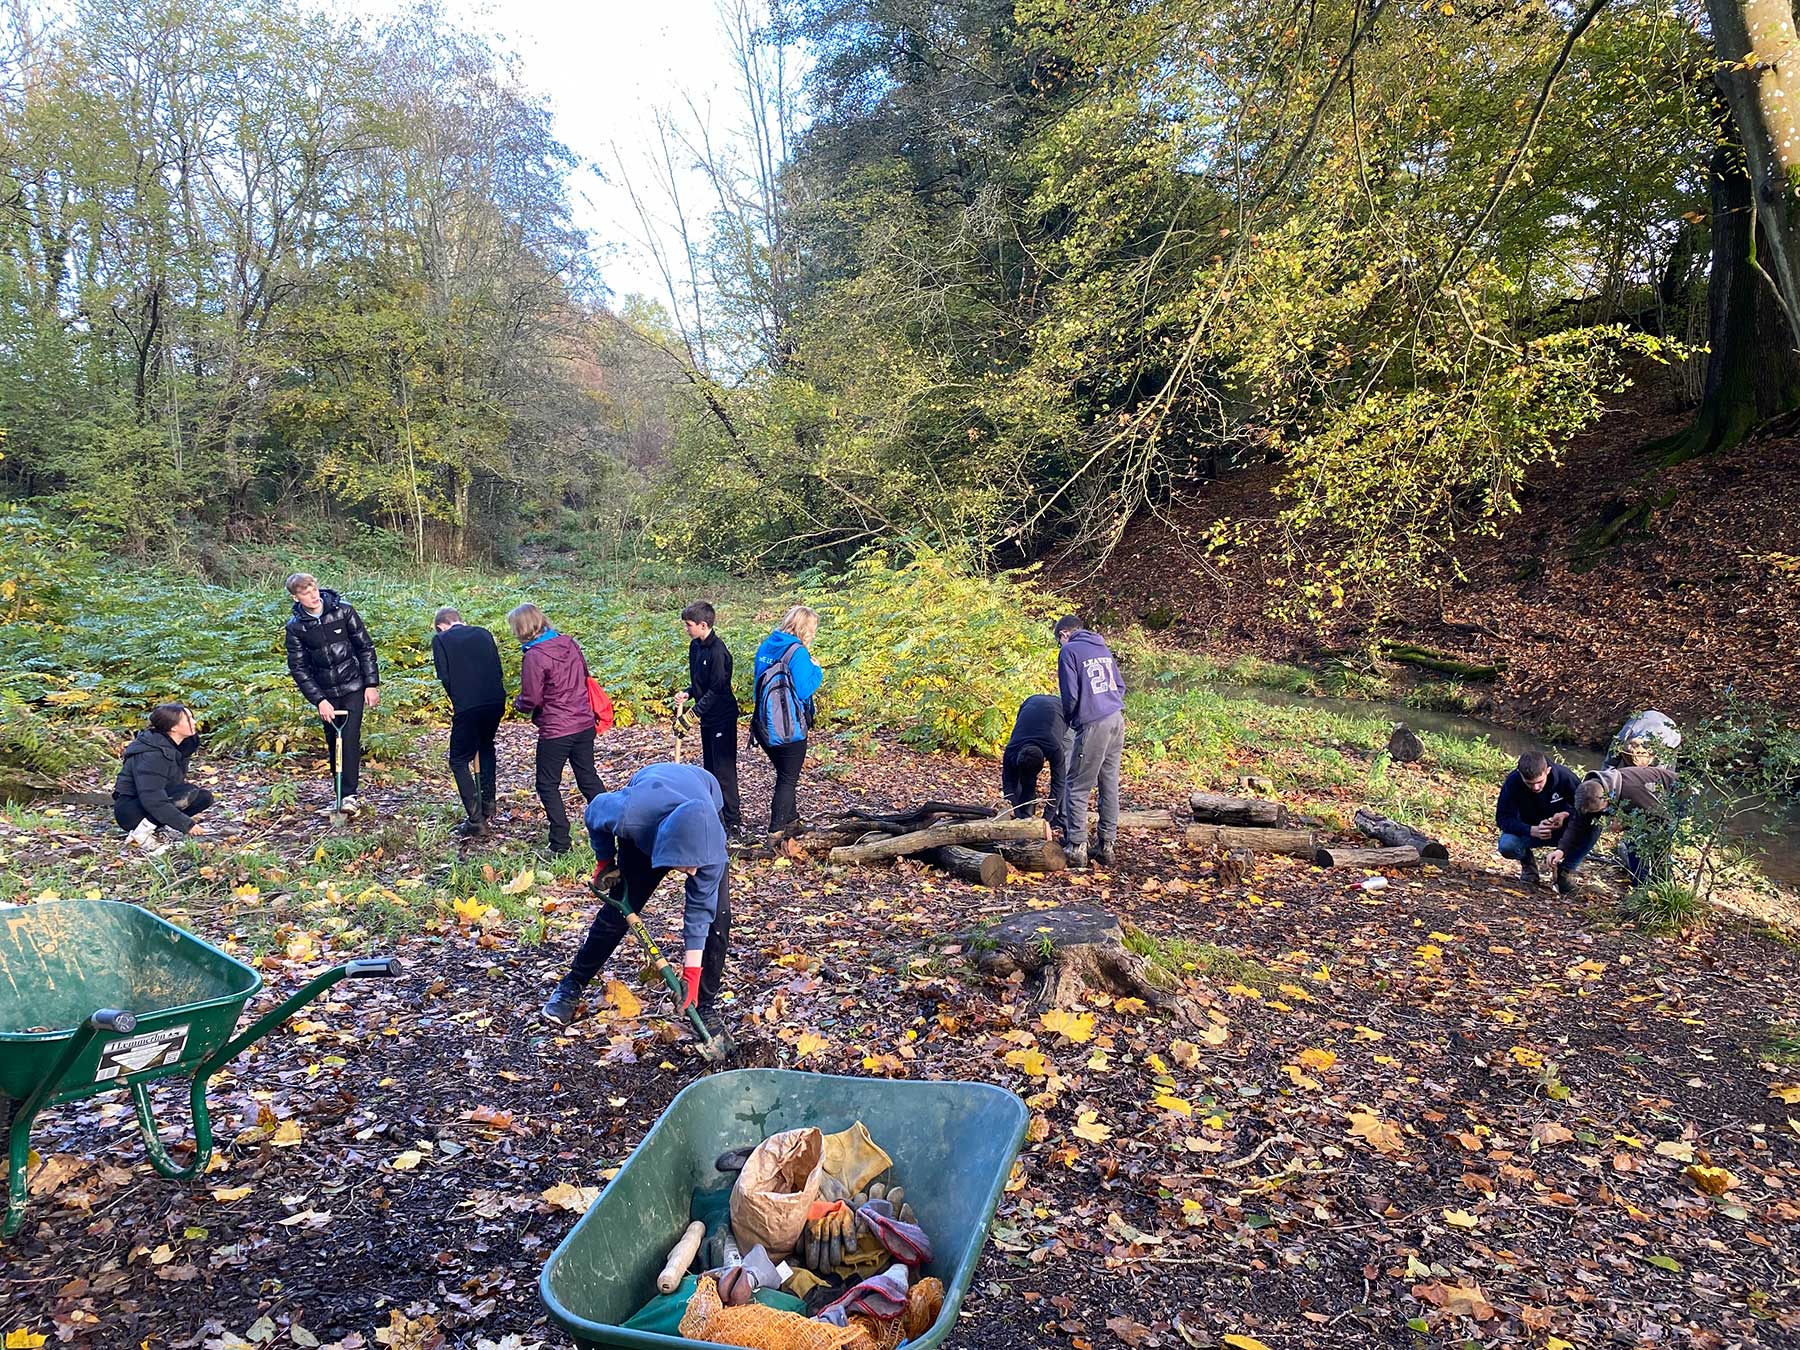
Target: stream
x,y
1772,833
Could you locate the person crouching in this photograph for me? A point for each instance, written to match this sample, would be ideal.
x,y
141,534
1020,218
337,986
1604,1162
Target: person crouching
x,y
665,819
152,792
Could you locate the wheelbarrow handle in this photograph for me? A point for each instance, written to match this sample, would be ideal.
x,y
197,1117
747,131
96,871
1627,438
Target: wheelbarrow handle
x,y
379,967
114,1020
292,1004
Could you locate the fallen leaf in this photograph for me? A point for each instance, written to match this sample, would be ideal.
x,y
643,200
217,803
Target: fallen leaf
x,y
1461,1218
1128,1331
623,1000
1712,1180
1384,1135
21,1339
225,1195
1088,1127
407,1160
1786,1092
1076,1027
1185,1053
574,1199
287,1134
1238,1342
521,883
1316,1060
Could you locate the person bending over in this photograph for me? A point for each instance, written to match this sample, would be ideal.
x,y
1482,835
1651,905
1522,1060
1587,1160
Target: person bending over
x,y
468,666
1639,790
665,819
1040,737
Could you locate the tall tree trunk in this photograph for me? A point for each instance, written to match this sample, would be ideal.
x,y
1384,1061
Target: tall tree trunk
x,y
1752,371
1758,51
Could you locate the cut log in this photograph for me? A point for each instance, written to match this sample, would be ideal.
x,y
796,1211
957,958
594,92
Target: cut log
x,y
1040,855
968,864
1405,856
952,832
1159,819
1067,955
1216,808
1393,834
1301,843
900,822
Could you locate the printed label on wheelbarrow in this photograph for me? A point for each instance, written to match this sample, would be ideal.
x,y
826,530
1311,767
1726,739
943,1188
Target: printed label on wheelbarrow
x,y
134,1054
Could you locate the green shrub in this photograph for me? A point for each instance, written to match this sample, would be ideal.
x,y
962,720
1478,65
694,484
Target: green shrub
x,y
1664,904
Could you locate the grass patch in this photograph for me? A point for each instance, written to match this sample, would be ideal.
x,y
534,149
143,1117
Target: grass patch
x,y
1171,959
1664,906
1784,1043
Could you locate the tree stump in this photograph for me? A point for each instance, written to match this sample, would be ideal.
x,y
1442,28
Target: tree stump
x,y
1233,866
1068,954
1405,746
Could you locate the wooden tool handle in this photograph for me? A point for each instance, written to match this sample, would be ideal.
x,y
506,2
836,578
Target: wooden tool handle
x,y
681,1256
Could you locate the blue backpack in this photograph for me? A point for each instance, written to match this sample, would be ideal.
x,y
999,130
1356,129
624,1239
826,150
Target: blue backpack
x,y
780,716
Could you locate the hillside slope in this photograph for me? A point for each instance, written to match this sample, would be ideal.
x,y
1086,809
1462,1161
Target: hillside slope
x,y
1697,597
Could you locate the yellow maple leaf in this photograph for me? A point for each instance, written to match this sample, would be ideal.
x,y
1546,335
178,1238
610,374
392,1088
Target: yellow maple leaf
x,y
1185,1053
1382,1134
1214,1034
1133,1006
1076,1027
1237,1342
1712,1180
1786,1092
1316,1060
623,1000
1088,1127
521,883
287,1134
1461,1218
1558,1343
226,1194
809,1043
407,1160
575,1199
1031,1062
468,911
1180,1105
21,1339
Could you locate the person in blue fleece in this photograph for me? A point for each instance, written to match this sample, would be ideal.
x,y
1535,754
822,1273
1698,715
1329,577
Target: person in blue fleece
x,y
665,819
787,677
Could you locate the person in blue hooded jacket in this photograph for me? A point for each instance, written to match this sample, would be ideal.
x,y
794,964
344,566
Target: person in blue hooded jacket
x,y
787,677
665,819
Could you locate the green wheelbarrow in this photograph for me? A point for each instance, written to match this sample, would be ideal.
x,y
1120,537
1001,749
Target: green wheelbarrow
x,y
96,995
953,1146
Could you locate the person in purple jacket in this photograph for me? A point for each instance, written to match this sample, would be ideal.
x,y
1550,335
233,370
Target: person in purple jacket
x,y
553,690
1093,705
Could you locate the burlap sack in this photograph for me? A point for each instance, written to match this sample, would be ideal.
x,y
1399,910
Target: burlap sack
x,y
777,1186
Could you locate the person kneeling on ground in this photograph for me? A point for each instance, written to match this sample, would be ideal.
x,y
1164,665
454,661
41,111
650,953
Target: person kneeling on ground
x,y
1535,802
152,791
665,819
468,666
1632,789
1093,704
1039,737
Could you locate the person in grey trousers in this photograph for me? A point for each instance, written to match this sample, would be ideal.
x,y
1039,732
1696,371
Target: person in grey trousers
x,y
1093,704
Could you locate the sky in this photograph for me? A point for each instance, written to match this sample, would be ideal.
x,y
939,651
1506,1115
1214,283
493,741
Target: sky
x,y
604,68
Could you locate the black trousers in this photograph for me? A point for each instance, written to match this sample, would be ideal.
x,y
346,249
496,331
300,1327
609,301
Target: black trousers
x,y
787,761
347,743
553,752
639,880
188,799
472,738
718,756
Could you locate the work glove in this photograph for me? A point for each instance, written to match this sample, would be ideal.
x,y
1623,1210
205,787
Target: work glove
x,y
690,977
829,1233
606,877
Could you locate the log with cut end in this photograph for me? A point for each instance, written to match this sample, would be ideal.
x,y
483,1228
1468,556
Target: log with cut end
x,y
1039,855
1217,808
1405,856
968,864
951,832
1393,834
1300,843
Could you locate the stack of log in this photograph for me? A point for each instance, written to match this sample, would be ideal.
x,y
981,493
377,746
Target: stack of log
x,y
1402,845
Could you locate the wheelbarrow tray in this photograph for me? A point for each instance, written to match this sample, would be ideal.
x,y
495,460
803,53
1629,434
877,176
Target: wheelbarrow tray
x,y
953,1146
62,959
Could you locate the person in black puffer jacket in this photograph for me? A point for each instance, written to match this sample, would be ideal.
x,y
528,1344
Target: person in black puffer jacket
x,y
332,659
152,789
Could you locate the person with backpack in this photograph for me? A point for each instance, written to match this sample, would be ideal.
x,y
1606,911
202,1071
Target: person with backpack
x,y
332,660
665,819
715,705
468,666
554,693
152,793
1093,705
787,677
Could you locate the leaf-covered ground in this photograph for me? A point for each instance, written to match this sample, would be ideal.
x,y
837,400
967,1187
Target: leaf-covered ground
x,y
1698,595
1451,1112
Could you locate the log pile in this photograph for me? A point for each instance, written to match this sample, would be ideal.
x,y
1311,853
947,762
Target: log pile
x,y
961,839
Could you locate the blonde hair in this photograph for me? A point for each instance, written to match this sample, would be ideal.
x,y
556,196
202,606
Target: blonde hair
x,y
802,622
527,622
